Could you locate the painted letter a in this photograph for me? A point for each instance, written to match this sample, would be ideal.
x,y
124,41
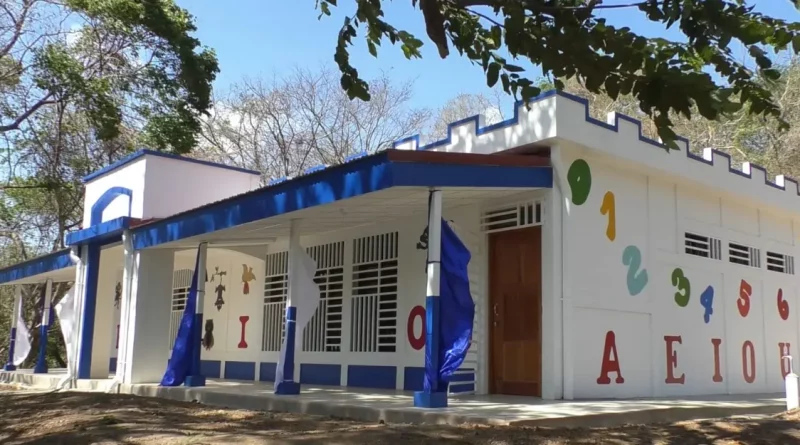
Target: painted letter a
x,y
610,364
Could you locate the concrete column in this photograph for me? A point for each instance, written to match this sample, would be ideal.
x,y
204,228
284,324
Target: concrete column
x,y
88,310
13,338
41,360
195,377
146,337
102,342
285,383
432,396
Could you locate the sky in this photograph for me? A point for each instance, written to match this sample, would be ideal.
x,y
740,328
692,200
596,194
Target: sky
x,y
272,37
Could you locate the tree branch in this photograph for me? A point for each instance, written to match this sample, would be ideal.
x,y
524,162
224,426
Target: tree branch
x,y
18,121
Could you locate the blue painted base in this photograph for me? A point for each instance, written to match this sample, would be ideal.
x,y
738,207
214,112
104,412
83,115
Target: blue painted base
x,y
40,368
195,380
424,399
9,367
287,388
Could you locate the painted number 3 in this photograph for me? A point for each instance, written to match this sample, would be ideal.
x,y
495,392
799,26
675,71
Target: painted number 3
x,y
637,279
680,281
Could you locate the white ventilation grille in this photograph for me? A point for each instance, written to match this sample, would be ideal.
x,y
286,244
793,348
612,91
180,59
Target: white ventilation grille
x,y
512,216
778,262
276,284
324,330
744,255
702,246
181,282
374,304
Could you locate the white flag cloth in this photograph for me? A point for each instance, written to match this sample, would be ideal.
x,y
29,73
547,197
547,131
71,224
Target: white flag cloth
x,y
22,345
65,310
303,295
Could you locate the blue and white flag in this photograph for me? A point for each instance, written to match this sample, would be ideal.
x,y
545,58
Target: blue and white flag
x,y
22,344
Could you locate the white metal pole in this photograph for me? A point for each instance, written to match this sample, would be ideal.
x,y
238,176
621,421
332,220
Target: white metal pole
x,y
41,360
792,395
13,338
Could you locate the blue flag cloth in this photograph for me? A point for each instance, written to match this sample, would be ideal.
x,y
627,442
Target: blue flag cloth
x,y
180,363
456,309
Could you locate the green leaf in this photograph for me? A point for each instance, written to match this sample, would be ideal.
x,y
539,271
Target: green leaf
x,y
492,73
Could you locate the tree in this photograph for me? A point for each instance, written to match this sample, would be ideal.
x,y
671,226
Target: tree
x,y
282,126
121,62
569,39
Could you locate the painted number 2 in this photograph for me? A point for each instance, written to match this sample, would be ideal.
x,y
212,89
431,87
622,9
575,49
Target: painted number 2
x,y
680,281
783,306
743,303
637,279
707,301
609,208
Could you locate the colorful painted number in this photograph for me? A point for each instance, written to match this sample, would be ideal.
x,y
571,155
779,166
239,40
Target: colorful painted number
x,y
743,303
637,279
680,281
707,301
609,208
579,178
242,343
416,341
783,306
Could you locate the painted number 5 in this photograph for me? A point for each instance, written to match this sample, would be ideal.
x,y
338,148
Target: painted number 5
x,y
637,279
680,281
743,303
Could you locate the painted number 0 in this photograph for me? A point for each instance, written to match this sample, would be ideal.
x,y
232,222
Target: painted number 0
x,y
783,306
579,177
743,303
680,281
417,342
609,208
632,258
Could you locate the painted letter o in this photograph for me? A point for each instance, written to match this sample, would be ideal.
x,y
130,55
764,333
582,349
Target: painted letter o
x,y
416,342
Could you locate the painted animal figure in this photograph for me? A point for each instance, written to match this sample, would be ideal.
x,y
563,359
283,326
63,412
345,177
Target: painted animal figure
x,y
247,277
208,339
220,301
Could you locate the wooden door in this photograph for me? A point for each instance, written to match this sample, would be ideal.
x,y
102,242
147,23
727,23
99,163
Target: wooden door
x,y
515,320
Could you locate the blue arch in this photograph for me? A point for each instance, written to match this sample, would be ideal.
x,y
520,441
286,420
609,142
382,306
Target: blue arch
x,y
105,200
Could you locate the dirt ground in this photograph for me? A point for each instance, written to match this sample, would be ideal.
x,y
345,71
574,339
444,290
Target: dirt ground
x,y
28,417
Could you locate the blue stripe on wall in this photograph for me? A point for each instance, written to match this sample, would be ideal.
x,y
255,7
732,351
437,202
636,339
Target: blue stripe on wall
x,y
211,368
362,376
314,374
412,378
112,365
240,370
266,371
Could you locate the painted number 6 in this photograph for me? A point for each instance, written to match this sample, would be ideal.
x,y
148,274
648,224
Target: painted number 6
x,y
680,281
743,303
783,306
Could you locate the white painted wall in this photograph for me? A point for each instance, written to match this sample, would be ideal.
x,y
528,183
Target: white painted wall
x,y
131,176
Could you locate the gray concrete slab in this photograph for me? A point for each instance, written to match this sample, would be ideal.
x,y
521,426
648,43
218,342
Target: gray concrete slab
x,y
397,406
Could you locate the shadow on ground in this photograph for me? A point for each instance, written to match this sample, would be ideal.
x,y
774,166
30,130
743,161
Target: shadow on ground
x,y
37,418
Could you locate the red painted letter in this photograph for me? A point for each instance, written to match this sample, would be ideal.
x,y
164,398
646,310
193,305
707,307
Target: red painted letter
x,y
609,364
415,341
784,350
749,377
717,376
672,360
243,320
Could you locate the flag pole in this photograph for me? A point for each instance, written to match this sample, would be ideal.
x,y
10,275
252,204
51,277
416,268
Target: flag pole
x,y
41,361
13,339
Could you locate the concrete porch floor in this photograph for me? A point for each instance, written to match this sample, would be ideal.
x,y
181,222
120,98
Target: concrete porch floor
x,y
397,406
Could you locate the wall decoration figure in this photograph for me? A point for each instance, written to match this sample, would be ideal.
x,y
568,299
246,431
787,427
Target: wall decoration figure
x,y
116,345
637,280
610,364
416,342
117,295
423,240
247,277
717,378
579,177
783,306
743,303
208,338
218,273
684,293
784,350
219,290
242,343
707,301
609,208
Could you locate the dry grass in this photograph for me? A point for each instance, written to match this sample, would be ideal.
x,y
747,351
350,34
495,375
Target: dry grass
x,y
28,417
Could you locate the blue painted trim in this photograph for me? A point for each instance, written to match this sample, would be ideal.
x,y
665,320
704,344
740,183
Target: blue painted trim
x,y
43,264
364,376
211,369
12,342
112,365
104,233
138,154
266,371
462,387
424,399
286,386
41,359
102,203
357,178
240,370
413,377
431,381
318,374
88,313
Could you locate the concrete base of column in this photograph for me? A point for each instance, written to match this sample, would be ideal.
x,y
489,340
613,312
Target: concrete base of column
x,y
9,367
424,399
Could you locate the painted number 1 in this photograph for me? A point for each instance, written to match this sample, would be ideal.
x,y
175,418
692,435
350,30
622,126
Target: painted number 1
x,y
609,208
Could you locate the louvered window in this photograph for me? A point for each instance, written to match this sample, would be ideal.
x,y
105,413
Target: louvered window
x,y
703,246
778,262
181,282
373,313
276,285
324,330
512,216
744,255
